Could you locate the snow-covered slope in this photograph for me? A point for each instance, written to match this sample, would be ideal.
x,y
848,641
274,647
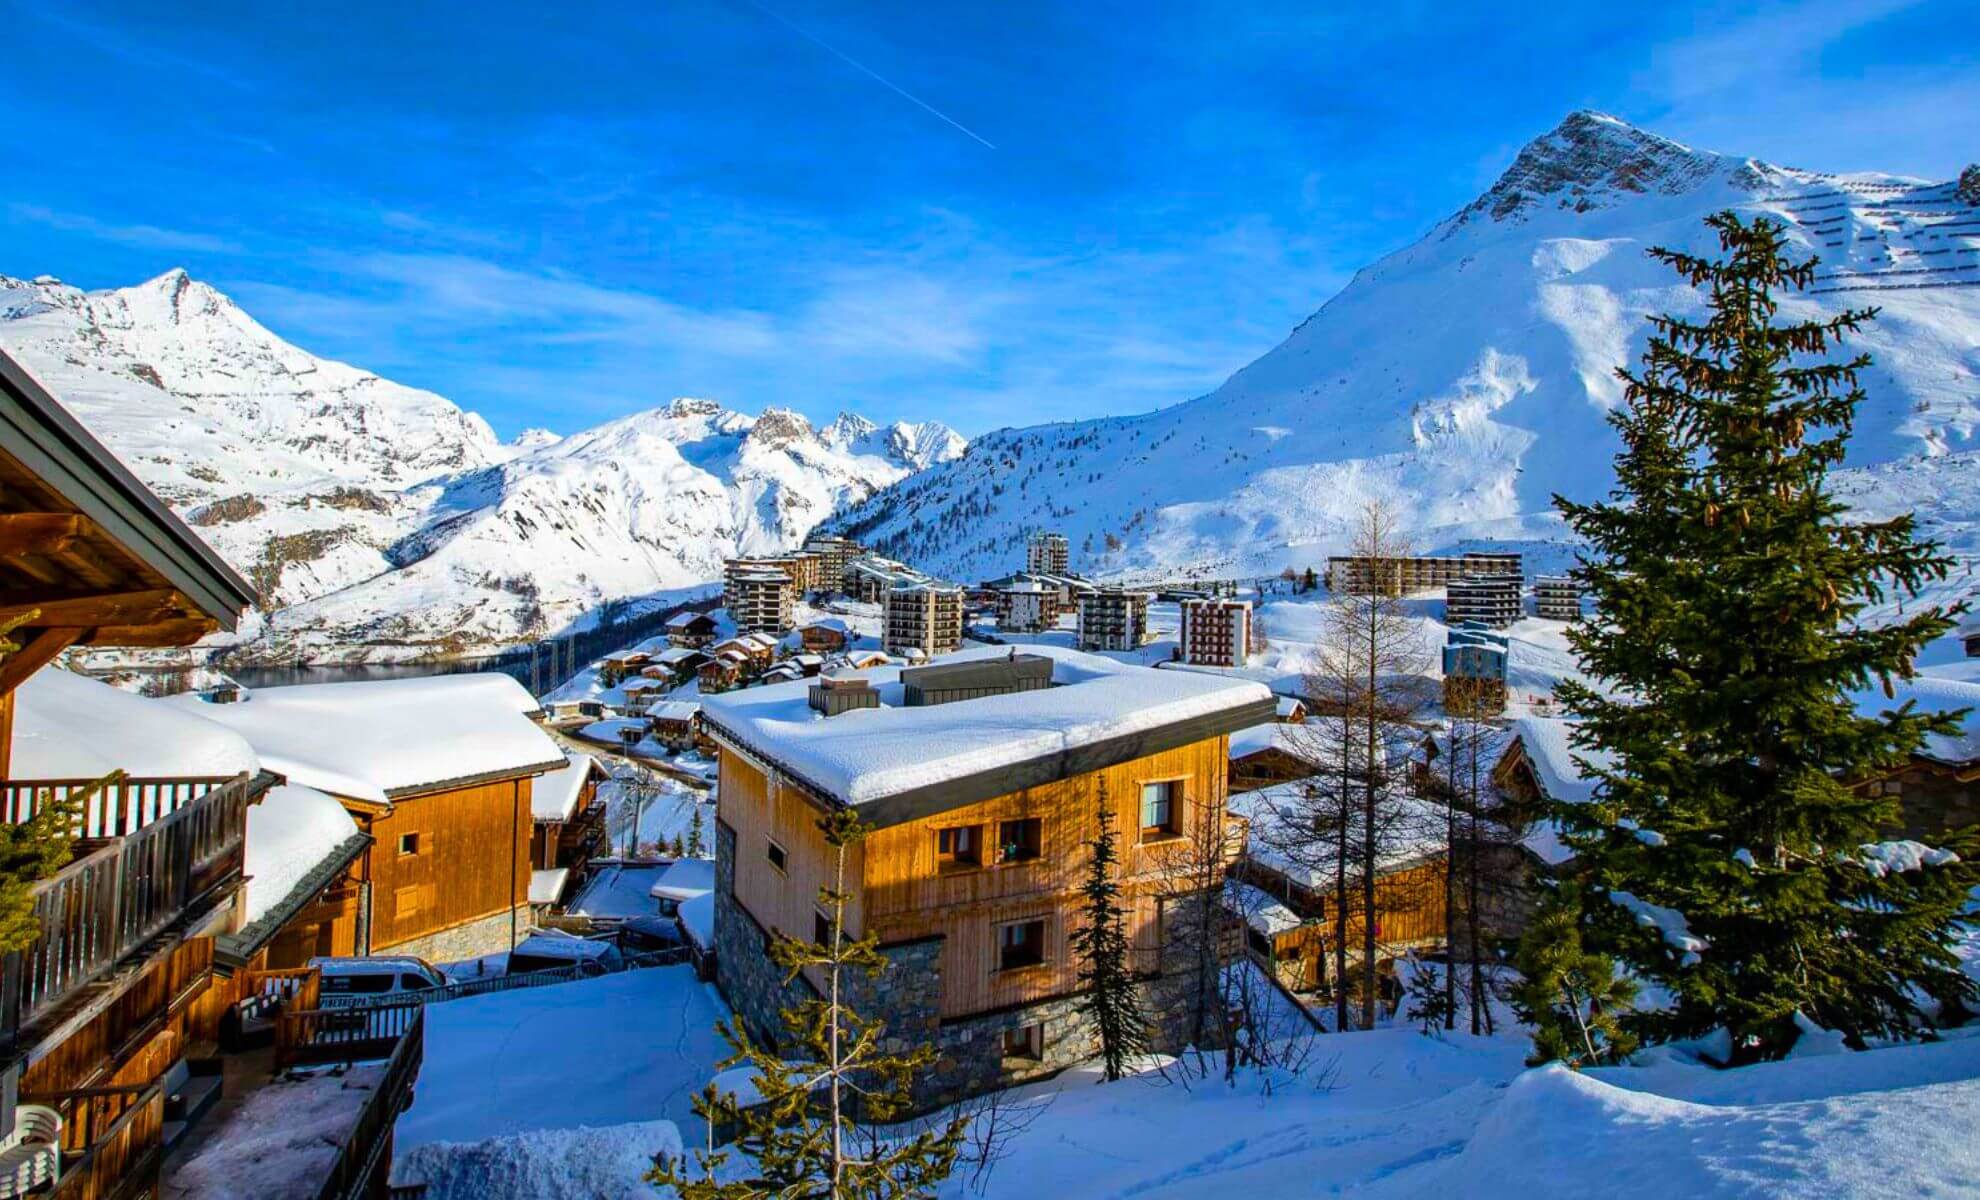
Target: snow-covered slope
x,y
1465,378
382,521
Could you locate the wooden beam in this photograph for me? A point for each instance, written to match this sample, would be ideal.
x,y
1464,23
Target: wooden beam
x,y
37,533
38,653
110,608
178,631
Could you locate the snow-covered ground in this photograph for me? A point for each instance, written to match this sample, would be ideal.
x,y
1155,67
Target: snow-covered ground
x,y
631,1047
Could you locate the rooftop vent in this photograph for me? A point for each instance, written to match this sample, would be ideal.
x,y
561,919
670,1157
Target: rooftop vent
x,y
833,695
945,683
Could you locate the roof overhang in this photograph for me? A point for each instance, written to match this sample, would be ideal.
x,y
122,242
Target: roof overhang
x,y
916,803
121,517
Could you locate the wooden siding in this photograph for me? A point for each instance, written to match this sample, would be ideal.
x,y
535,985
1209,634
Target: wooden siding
x,y
472,861
903,896
758,812
123,1041
327,926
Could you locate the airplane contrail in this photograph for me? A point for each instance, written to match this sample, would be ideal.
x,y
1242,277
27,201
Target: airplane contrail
x,y
876,76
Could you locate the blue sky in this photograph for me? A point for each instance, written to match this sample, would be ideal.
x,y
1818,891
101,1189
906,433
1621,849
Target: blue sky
x,y
988,213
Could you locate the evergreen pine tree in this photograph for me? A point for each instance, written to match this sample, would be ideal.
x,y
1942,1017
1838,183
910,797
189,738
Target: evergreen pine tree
x,y
1730,584
694,842
1572,997
1101,945
800,1137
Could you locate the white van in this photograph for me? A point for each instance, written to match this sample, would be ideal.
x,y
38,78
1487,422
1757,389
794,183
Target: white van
x,y
384,979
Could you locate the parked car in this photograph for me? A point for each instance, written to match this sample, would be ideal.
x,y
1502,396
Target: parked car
x,y
354,982
548,949
643,935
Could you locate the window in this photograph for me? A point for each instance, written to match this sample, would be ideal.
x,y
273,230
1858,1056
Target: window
x,y
821,928
414,983
778,858
1020,944
959,847
1026,1042
408,843
1158,809
1018,841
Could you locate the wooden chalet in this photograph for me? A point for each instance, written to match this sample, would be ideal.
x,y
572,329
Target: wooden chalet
x,y
108,1011
567,827
725,670
981,809
676,724
826,636
1273,753
439,773
692,630
1287,898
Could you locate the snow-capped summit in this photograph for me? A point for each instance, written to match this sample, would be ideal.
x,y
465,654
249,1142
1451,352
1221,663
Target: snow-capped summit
x,y
372,515
1592,159
1465,378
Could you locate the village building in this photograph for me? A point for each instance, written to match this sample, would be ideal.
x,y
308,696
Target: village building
x,y
675,724
1358,575
1216,633
759,596
835,554
1489,600
1475,670
757,649
1291,916
870,578
675,665
1557,598
692,630
1047,553
726,669
122,982
1292,710
826,635
925,618
567,828
1113,619
1027,606
438,771
980,809
1273,752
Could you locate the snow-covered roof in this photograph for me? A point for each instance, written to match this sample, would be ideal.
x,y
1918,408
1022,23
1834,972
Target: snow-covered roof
x,y
378,739
1289,705
1258,907
555,943
869,754
676,654
698,918
682,620
547,887
1932,694
685,879
1299,741
1545,740
674,710
1412,833
292,832
554,795
67,726
830,624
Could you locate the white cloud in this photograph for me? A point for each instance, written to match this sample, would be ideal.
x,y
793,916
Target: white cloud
x,y
150,237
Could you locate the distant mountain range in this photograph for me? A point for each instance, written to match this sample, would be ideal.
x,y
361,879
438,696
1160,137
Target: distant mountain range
x,y
379,521
1465,378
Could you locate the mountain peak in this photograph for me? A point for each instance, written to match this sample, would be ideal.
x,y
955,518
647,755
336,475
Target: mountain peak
x,y
780,427
848,428
1588,158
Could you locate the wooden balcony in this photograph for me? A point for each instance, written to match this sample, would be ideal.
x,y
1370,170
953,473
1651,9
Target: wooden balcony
x,y
154,855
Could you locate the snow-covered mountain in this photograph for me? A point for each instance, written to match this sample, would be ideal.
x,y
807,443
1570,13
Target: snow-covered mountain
x,y
383,521
1465,378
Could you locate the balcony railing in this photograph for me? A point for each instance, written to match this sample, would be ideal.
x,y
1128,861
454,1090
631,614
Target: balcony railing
x,y
123,807
362,1157
112,1140
123,889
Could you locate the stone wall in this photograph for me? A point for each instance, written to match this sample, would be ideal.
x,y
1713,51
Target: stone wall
x,y
484,935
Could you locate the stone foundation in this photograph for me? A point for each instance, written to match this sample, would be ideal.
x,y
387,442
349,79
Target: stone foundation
x,y
483,935
908,998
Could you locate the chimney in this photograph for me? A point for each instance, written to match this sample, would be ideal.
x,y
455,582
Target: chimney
x,y
833,695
